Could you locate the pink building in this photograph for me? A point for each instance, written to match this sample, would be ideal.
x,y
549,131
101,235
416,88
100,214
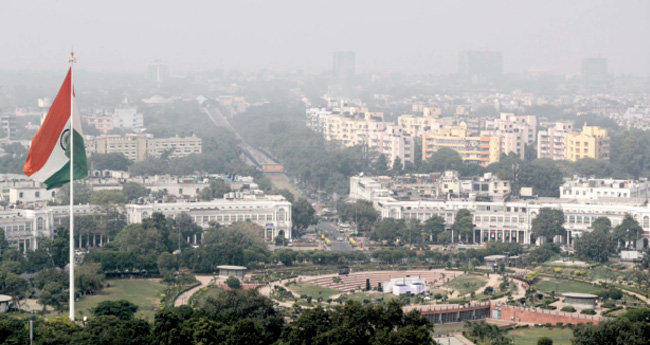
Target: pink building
x,y
388,139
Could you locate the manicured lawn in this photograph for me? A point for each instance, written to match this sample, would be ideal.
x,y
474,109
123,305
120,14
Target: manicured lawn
x,y
561,286
466,283
145,293
529,336
314,291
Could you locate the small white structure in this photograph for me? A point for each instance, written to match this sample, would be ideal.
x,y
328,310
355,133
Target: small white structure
x,y
415,289
226,271
404,284
629,255
4,303
492,261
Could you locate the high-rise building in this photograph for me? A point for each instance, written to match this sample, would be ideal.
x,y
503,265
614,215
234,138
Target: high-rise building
x,y
594,75
343,73
344,63
480,67
157,71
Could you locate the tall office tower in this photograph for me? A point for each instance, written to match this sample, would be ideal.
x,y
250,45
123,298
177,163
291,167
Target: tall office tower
x,y
343,73
157,71
594,75
480,67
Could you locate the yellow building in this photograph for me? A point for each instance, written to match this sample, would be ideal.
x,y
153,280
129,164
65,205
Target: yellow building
x,y
482,150
592,142
132,146
138,146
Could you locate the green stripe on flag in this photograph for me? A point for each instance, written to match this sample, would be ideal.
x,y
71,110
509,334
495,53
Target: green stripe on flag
x,y
62,176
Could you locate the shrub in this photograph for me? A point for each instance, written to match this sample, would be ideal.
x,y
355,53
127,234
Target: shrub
x,y
544,341
568,309
608,305
588,312
559,324
233,283
548,325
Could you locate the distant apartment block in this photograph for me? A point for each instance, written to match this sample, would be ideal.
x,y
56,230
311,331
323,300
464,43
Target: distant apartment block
x,y
157,71
480,67
388,139
594,75
551,143
137,147
515,132
179,146
605,189
482,150
416,126
592,142
8,125
343,128
127,118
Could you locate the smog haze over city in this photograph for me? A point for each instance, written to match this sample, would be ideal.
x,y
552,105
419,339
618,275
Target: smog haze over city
x,y
298,172
411,37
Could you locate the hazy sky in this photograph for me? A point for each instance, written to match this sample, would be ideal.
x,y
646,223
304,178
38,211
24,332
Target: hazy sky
x,y
387,36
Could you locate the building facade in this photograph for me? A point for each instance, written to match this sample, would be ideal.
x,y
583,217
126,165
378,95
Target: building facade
x,y
551,143
272,212
138,146
482,150
592,142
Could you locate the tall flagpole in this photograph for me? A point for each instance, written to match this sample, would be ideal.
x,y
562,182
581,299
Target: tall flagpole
x,y
72,60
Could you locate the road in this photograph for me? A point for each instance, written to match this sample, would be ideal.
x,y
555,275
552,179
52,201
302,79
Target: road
x,y
332,233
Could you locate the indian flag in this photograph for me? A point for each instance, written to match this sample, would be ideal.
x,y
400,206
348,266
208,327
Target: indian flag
x,y
49,155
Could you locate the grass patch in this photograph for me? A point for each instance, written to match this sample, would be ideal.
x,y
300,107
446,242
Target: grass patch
x,y
314,291
466,284
562,286
144,293
604,273
529,336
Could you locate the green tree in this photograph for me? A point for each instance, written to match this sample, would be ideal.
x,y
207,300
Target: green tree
x,y
380,166
397,168
13,285
109,161
134,190
138,240
602,224
13,331
82,193
595,246
302,216
549,223
388,229
544,341
104,197
215,190
360,212
122,309
233,283
463,224
89,277
110,330
617,331
628,231
434,226
543,175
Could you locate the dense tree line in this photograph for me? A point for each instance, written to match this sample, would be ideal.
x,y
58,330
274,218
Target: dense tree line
x,y
231,317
